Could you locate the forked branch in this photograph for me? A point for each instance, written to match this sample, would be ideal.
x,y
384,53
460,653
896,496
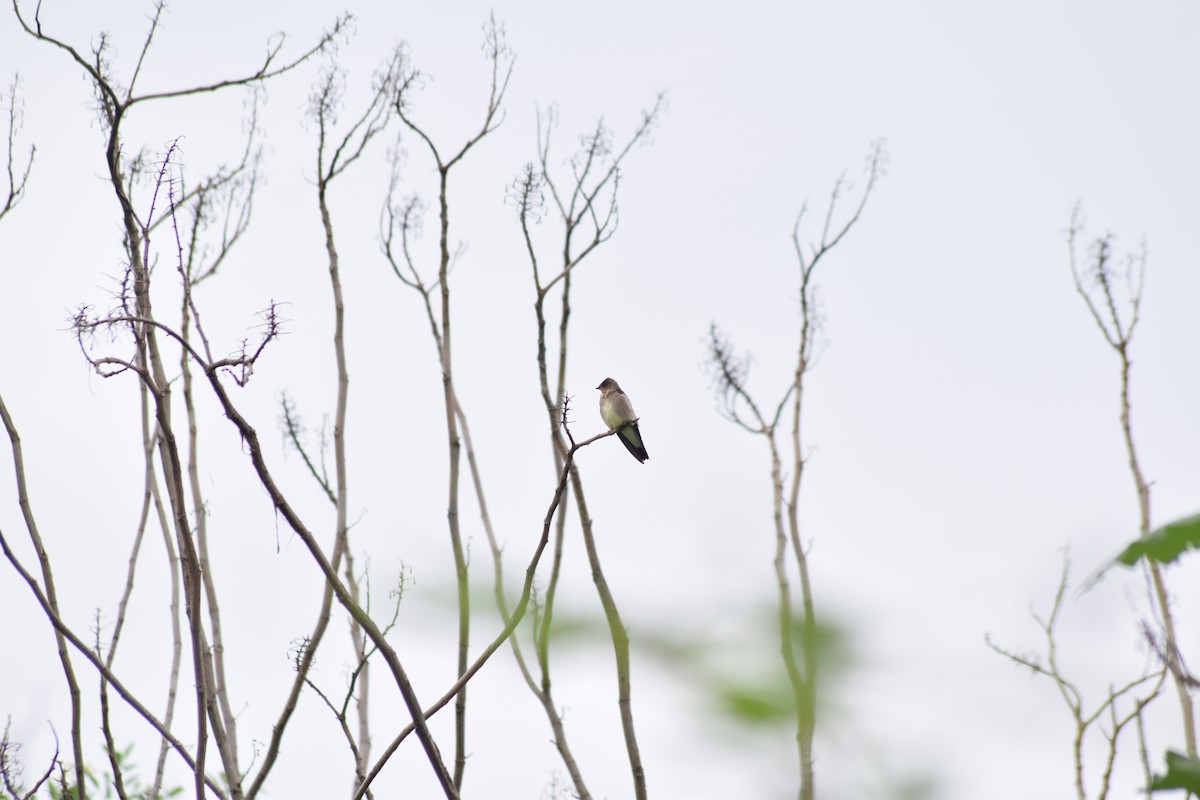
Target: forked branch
x,y
1084,720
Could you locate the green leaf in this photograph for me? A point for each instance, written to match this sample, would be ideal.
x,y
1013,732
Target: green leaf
x,y
1166,543
1182,773
766,703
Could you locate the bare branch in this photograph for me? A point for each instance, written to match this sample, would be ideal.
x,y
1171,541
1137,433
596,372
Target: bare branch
x,y
1099,275
501,59
1073,697
113,106
159,6
16,185
266,70
293,431
1168,654
587,192
728,373
11,769
327,99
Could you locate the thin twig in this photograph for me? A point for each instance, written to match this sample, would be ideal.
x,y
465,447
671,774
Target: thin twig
x,y
16,185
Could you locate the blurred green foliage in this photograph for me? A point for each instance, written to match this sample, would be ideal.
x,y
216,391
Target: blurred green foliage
x,y
61,787
1182,773
1164,544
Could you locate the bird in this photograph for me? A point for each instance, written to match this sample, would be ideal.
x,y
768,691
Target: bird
x,y
617,413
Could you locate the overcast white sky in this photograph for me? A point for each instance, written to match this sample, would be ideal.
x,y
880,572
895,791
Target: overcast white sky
x,y
963,414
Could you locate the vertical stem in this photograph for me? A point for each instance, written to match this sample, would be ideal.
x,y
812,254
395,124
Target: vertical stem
x,y
806,687
1160,590
1144,757
543,640
620,639
800,681
341,533
543,634
176,634
219,683
363,681
460,560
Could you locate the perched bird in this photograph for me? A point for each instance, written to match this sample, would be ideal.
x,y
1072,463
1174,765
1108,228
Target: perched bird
x,y
617,413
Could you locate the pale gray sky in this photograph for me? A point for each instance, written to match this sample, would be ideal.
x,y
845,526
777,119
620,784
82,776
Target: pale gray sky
x,y
963,414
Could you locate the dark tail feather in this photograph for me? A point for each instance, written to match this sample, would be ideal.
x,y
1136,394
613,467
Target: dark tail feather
x,y
631,437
